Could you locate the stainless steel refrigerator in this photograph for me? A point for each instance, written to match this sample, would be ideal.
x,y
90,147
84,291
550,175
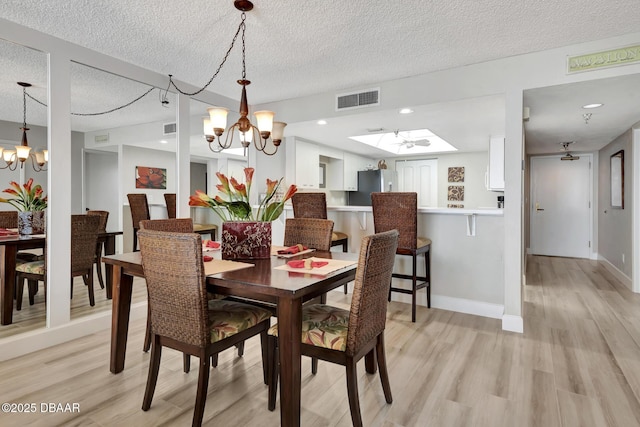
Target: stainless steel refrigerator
x,y
379,180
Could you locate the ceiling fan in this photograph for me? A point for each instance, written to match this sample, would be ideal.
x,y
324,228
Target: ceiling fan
x,y
404,139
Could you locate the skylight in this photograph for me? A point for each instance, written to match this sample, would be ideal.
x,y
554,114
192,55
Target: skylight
x,y
407,142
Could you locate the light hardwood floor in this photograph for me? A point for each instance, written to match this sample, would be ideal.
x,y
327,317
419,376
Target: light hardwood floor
x,y
577,364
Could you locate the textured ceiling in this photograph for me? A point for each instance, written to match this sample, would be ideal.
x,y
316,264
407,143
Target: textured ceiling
x,y
293,48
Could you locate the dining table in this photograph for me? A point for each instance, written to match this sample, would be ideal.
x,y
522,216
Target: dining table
x,y
265,280
9,247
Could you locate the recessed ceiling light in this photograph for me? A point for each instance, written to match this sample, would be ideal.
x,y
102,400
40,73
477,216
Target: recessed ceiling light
x,y
164,141
322,122
406,111
596,105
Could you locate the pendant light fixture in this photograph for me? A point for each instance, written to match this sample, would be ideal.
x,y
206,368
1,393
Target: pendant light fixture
x,y
23,151
215,125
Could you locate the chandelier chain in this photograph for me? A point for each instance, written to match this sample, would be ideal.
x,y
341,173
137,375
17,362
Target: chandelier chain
x,y
244,69
24,107
102,112
224,60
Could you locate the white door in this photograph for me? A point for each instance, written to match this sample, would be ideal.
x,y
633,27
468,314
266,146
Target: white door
x,y
561,206
420,176
101,185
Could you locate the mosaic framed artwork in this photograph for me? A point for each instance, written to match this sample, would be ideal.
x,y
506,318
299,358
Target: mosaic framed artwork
x,y
455,193
456,174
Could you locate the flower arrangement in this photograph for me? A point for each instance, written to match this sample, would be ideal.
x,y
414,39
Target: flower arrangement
x,y
236,207
28,198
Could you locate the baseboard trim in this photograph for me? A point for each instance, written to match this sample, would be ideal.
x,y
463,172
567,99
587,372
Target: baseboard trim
x,y
626,280
28,342
513,323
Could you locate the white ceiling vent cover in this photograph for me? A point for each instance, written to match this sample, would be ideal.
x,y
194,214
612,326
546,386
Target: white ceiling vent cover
x,y
368,98
169,128
101,139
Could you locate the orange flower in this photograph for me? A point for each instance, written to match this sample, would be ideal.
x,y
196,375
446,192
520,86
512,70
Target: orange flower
x,y
290,192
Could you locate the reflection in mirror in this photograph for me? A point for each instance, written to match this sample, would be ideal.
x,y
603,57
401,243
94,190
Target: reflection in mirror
x,y
145,130
617,180
19,63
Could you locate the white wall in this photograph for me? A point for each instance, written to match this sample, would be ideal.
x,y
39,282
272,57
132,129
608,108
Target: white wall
x,y
101,184
614,224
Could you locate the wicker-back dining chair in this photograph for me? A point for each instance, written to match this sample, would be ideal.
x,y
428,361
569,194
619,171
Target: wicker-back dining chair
x,y
104,218
170,201
84,237
182,317
309,232
399,211
177,225
345,336
139,212
314,205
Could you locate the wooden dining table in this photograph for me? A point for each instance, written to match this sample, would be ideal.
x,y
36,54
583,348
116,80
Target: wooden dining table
x,y
262,282
9,247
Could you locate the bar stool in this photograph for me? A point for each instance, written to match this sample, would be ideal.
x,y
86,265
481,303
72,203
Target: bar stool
x,y
314,205
210,229
399,211
139,212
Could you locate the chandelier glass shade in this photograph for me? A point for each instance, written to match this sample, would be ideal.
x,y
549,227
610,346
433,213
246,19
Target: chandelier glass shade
x,y
214,126
23,152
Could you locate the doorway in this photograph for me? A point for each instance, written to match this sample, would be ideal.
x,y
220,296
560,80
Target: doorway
x,y
101,185
561,206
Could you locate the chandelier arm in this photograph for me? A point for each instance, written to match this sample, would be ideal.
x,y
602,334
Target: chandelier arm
x,y
224,60
34,162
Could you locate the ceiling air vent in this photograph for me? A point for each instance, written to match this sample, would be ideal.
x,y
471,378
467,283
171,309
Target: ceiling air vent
x,y
367,98
169,129
101,139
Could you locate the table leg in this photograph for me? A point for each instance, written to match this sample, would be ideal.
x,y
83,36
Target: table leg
x,y
121,307
289,339
109,249
8,269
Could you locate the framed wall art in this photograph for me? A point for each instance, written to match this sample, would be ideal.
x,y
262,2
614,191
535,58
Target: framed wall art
x,y
148,177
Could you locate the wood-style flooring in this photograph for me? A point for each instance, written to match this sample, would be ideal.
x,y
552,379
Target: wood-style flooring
x,y
577,364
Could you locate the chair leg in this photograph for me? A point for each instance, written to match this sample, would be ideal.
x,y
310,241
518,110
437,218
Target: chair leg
x,y
147,337
272,344
414,291
214,360
135,240
240,347
32,285
152,378
19,293
203,385
92,298
345,249
382,366
99,265
352,391
265,355
314,365
186,363
427,262
71,287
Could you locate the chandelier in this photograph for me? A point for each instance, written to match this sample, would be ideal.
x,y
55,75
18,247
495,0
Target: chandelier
x,y
215,124
23,152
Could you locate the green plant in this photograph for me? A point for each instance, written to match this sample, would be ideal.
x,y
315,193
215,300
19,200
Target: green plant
x,y
235,204
27,197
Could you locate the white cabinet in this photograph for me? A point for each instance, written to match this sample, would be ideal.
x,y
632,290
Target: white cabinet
x,y
495,173
351,165
307,165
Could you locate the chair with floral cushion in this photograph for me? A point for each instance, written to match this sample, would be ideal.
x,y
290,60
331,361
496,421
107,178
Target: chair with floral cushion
x,y
104,218
177,225
183,318
84,236
399,211
314,205
345,336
